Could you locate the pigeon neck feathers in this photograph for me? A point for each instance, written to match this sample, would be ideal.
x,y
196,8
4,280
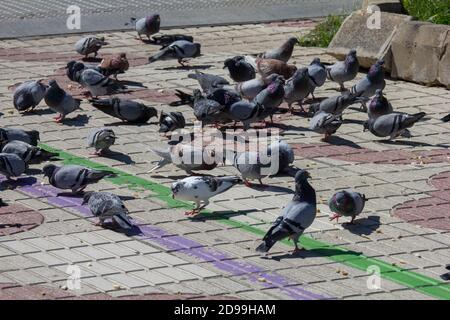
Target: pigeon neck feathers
x,y
304,192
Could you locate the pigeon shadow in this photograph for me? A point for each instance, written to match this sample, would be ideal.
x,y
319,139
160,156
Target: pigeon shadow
x,y
33,171
126,198
339,141
286,127
119,156
37,112
353,121
196,67
20,182
79,121
133,231
271,188
126,123
219,215
132,83
68,194
91,59
314,253
363,226
406,143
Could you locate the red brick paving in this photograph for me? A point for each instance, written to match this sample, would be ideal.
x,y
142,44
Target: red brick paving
x,y
17,218
432,212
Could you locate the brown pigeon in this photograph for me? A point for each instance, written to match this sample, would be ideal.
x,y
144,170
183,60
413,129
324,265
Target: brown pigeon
x,y
115,64
266,67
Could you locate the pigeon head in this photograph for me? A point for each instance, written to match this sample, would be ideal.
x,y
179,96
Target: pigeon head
x,y
352,53
197,94
176,187
197,53
379,93
316,61
292,41
48,170
123,55
86,197
232,61
301,176
367,124
153,22
150,112
70,64
351,57
376,70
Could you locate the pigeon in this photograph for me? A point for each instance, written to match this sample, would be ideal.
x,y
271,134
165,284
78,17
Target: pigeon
x,y
337,104
88,45
266,67
249,89
105,205
343,71
147,26
379,105
180,50
28,153
246,112
224,96
187,157
101,139
325,123
74,177
317,75
125,110
11,165
2,203
208,111
347,203
285,154
171,121
374,80
97,83
446,118
283,53
296,217
251,166
74,67
393,124
200,189
297,88
10,134
166,39
60,101
28,95
239,68
114,65
446,276
208,82
272,96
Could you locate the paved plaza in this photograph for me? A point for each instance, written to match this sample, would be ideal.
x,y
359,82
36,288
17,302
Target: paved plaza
x,y
403,233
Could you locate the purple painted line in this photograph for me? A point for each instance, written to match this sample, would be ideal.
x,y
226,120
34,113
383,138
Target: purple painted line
x,y
150,234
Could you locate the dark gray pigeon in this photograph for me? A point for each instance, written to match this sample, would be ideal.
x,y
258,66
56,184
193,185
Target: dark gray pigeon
x,y
60,101
105,205
343,71
166,39
125,110
325,123
296,217
88,45
271,97
10,134
73,177
28,153
282,53
11,165
337,104
371,83
224,96
317,75
180,50
347,203
285,154
208,82
379,105
297,88
208,111
246,112
240,69
393,125
171,121
147,26
101,139
28,95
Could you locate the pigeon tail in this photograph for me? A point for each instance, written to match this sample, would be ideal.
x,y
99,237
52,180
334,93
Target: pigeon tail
x,y
446,118
34,137
122,220
410,121
185,98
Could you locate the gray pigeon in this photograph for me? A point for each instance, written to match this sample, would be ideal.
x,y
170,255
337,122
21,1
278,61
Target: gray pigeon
x,y
282,53
325,123
98,84
240,69
296,217
251,167
246,112
10,134
147,26
60,101
180,50
28,95
125,110
73,177
343,71
317,75
347,203
374,80
171,121
271,97
208,82
11,165
297,88
285,154
393,125
101,139
200,189
88,45
379,105
249,89
337,104
187,157
208,111
105,205
28,153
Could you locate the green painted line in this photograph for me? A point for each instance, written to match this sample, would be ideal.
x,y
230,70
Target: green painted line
x,y
418,282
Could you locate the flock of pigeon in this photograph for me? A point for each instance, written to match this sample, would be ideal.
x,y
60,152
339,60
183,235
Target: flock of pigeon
x,y
263,83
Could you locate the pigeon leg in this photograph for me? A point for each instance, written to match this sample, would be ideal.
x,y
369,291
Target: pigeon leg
x,y
59,118
260,182
100,222
296,249
247,183
335,216
290,108
326,137
312,95
300,104
342,87
363,107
